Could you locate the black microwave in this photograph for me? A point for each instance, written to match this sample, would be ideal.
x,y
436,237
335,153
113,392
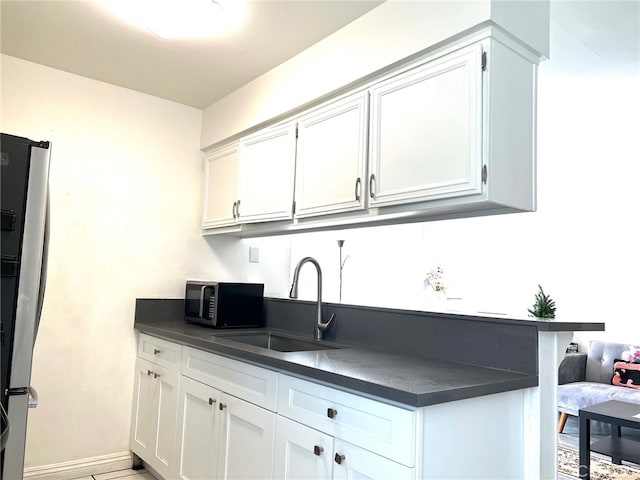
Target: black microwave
x,y
224,304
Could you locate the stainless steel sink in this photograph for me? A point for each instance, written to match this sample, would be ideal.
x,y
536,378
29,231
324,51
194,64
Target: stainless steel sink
x,y
278,343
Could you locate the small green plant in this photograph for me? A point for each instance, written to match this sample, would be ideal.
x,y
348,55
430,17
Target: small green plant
x,y
544,306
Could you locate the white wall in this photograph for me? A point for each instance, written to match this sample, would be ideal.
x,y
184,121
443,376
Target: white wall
x,y
125,201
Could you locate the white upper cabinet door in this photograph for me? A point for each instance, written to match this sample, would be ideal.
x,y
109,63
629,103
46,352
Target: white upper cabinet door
x,y
331,157
426,131
301,452
198,431
267,165
221,187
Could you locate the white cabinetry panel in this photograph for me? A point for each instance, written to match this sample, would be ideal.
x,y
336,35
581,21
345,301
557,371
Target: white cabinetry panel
x,y
384,429
248,434
160,352
426,131
155,410
358,463
301,452
267,164
220,187
331,157
254,384
198,431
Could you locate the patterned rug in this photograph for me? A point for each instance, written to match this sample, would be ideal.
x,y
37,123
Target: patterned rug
x,y
601,467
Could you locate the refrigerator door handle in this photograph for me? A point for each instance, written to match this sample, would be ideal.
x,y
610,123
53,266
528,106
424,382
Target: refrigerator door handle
x,y
32,392
33,397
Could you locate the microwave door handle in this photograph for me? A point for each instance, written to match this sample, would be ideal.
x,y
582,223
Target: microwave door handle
x,y
202,291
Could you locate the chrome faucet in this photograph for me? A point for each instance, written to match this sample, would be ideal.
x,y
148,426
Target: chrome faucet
x,y
320,325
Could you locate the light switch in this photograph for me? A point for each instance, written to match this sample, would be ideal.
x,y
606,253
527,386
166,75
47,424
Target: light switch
x,y
254,255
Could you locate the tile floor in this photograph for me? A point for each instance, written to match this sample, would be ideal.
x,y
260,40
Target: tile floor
x,y
121,475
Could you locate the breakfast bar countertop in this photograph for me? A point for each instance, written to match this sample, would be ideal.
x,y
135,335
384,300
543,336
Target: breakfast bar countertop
x,y
413,377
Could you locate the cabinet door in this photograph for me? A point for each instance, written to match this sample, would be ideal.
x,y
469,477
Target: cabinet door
x,y
426,131
331,157
267,164
153,434
246,441
144,410
165,441
353,462
220,187
198,431
301,452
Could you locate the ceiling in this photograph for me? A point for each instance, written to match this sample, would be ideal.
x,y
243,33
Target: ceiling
x,y
81,37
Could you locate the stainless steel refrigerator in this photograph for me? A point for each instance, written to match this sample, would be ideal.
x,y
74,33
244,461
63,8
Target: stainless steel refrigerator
x,y
24,179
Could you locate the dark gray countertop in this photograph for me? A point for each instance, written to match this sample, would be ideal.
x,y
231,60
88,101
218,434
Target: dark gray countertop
x,y
396,378
408,357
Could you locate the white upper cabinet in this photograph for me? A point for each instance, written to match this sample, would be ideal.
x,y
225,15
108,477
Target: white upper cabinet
x,y
447,133
267,164
426,131
331,157
220,187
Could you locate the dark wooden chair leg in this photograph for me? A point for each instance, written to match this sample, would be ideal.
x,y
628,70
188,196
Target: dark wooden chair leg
x,y
562,422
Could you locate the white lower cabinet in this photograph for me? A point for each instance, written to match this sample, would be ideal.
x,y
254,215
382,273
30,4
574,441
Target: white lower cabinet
x,y
155,408
195,426
351,462
303,452
198,431
246,442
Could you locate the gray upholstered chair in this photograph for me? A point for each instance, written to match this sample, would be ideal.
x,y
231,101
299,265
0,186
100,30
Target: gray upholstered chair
x,y
585,380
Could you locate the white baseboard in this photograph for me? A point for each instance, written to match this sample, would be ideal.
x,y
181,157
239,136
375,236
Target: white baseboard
x,y
80,468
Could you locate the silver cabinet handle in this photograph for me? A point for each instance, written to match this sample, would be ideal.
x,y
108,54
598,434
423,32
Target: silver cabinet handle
x,y
149,372
155,375
358,189
233,210
156,351
317,450
372,181
212,401
339,458
222,406
332,412
238,208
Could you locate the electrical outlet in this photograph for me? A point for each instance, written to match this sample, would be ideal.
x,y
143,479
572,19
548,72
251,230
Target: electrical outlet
x,y
254,255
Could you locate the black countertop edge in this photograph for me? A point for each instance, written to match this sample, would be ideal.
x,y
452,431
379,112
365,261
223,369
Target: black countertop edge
x,y
551,325
511,381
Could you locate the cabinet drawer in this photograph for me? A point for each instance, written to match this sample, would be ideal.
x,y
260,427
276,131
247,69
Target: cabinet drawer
x,y
158,351
385,429
248,382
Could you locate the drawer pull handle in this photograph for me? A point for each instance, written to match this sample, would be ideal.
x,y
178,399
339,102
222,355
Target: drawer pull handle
x,y
222,406
332,412
149,372
339,458
317,450
156,351
155,375
211,401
